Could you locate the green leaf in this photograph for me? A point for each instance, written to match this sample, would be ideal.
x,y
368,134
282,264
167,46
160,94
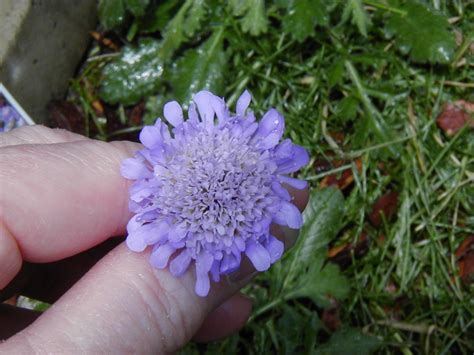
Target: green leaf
x,y
302,16
355,10
421,33
136,73
336,72
200,68
111,13
291,337
195,17
321,283
347,108
254,19
307,275
157,18
323,218
349,341
137,7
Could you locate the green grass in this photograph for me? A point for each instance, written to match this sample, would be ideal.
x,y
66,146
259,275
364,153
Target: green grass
x,y
345,74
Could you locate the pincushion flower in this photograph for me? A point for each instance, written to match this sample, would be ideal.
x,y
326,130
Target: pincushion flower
x,y
207,191
10,118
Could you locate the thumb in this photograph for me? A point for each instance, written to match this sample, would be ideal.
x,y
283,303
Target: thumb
x,y
122,306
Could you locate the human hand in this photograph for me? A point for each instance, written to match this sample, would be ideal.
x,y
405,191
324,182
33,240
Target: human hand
x,y
62,196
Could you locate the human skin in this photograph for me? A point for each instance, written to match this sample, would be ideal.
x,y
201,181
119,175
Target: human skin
x,y
61,195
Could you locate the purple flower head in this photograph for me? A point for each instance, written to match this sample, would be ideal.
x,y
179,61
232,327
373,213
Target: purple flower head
x,y
207,192
10,118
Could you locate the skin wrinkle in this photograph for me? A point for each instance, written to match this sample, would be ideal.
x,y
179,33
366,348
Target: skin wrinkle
x,y
38,134
71,160
96,295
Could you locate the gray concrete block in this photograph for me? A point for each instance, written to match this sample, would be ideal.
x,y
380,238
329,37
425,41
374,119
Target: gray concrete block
x,y
41,44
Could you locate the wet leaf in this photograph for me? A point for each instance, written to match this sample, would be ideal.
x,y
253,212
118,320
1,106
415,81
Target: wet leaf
x,y
111,13
200,69
302,16
133,75
349,341
421,33
195,17
322,221
137,7
321,284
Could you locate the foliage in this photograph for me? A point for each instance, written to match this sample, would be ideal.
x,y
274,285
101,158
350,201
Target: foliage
x,y
356,79
422,33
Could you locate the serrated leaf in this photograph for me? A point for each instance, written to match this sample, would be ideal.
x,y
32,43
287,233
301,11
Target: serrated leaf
x,y
307,275
111,13
136,73
349,341
194,18
346,109
336,72
323,219
137,7
200,69
254,20
355,10
302,16
291,337
158,17
421,33
322,283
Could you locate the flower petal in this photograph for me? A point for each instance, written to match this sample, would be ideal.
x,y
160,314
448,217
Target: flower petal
x,y
180,263
258,255
289,215
275,247
134,169
243,103
203,265
299,158
173,113
160,255
192,113
135,242
229,264
281,191
272,123
150,136
295,183
203,100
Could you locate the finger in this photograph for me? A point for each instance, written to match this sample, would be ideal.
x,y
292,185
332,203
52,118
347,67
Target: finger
x,y
123,305
38,134
10,256
226,319
47,282
71,194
